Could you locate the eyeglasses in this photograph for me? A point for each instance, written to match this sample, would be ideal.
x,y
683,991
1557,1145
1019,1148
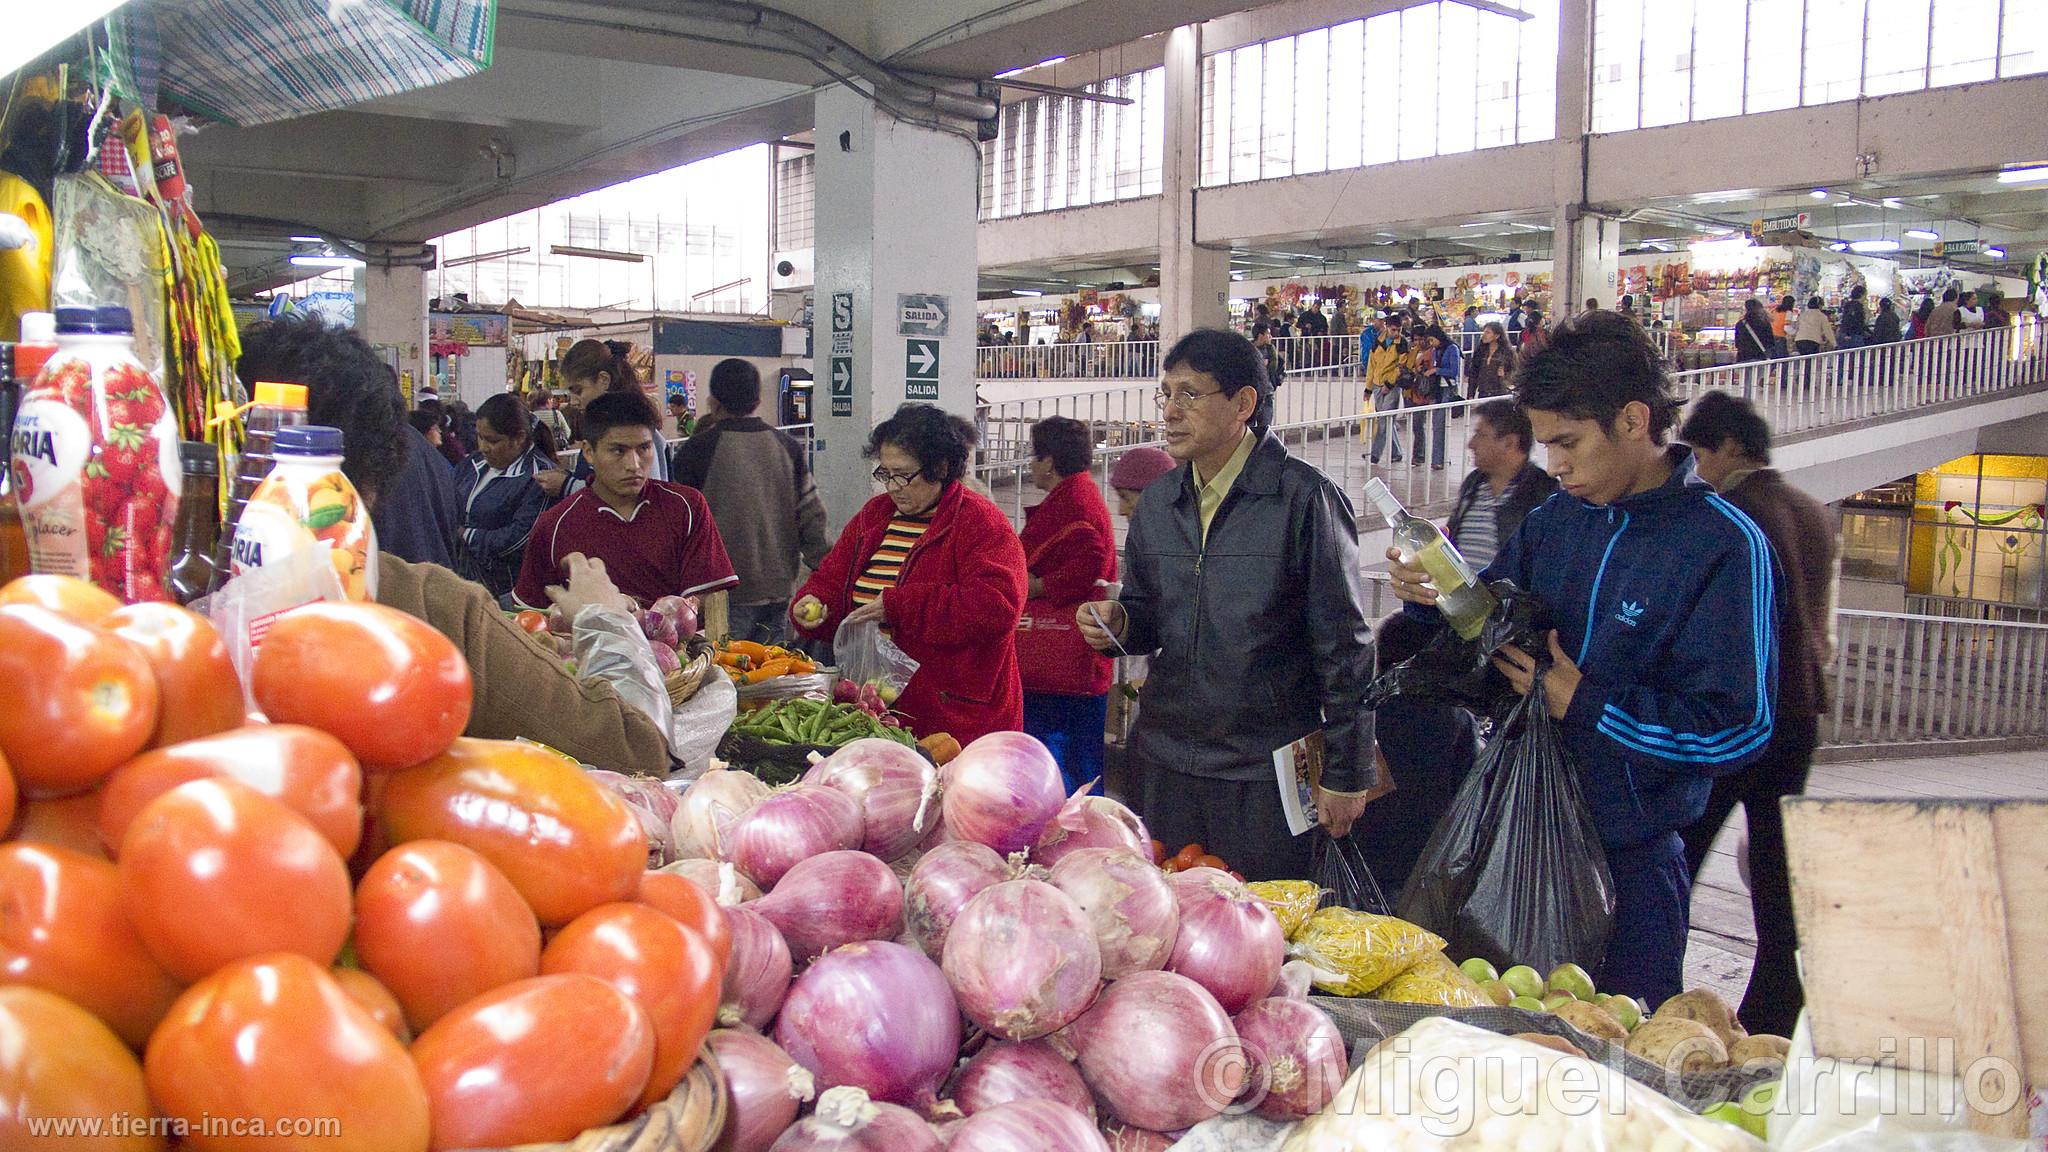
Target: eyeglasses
x,y
894,480
1181,401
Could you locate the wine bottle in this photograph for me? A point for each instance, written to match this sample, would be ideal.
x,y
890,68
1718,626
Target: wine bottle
x,y
1464,601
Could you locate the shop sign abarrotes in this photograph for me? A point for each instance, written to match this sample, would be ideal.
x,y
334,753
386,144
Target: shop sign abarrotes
x,y
1957,248
1797,220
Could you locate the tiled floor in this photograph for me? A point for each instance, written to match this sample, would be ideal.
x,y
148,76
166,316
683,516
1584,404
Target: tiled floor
x,y
1723,934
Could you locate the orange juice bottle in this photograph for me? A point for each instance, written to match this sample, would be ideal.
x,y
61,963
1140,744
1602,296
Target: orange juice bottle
x,y
306,503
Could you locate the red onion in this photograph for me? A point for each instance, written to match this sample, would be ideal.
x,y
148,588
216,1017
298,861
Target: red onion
x,y
1028,1126
789,826
1091,822
1129,905
1002,790
1294,1056
1022,959
652,802
757,973
945,879
897,789
1229,942
875,1016
1124,1138
709,808
717,877
831,899
1026,1070
1295,978
766,1087
1158,1051
847,1121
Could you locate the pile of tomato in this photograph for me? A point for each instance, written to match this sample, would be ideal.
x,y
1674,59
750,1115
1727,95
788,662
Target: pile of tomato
x,y
343,917
1189,856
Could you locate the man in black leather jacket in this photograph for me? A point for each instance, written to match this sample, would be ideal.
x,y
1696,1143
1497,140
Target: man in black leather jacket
x,y
1242,575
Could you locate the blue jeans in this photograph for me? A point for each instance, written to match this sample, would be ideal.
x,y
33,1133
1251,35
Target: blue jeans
x,y
763,623
1070,727
1437,421
1389,400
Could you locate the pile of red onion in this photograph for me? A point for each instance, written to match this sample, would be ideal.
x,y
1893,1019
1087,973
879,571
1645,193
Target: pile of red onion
x,y
1102,991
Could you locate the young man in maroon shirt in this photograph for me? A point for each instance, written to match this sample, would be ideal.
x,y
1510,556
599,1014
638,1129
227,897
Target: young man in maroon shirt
x,y
656,539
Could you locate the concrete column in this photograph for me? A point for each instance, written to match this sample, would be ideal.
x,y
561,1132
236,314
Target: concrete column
x,y
896,280
393,314
1194,282
1585,248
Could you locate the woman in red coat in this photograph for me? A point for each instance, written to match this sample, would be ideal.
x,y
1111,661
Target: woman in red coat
x,y
1069,550
938,567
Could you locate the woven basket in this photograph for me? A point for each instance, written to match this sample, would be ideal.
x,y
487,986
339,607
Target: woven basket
x,y
691,1119
684,682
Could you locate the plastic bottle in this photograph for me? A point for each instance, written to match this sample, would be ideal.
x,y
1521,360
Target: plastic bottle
x,y
20,364
273,406
307,504
196,540
1464,601
96,460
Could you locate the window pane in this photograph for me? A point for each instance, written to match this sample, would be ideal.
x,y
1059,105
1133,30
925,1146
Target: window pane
x,y
1347,94
1457,76
1494,81
1150,179
1895,50
1312,101
1617,61
1382,88
1276,146
1215,120
1775,33
1247,85
1667,62
1718,36
1418,82
1834,50
1963,46
1536,100
1130,125
2026,38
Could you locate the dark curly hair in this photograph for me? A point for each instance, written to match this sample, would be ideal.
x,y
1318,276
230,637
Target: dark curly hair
x,y
1596,364
938,441
347,387
1067,441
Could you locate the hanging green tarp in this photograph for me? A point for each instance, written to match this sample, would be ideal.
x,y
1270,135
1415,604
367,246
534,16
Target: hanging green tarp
x,y
249,62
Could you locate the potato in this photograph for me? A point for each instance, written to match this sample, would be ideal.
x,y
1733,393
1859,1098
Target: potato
x,y
1678,1045
1545,1039
1702,1005
1765,1047
1593,1020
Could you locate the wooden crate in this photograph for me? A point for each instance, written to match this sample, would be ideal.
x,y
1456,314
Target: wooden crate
x,y
1926,919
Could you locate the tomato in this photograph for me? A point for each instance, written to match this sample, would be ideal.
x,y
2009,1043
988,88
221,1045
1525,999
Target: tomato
x,y
690,906
530,621
82,601
7,796
373,997
1188,855
62,929
537,1060
213,871
302,768
566,842
83,701
440,926
393,689
58,1061
197,689
670,971
1158,852
274,1037
66,821
1208,861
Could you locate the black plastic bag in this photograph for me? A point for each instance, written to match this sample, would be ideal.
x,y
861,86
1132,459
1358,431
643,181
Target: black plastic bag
x,y
1338,866
1514,872
1452,670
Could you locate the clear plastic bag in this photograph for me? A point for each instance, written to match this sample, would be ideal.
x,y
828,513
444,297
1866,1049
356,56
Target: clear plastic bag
x,y
696,725
609,646
1356,952
1292,902
1340,869
866,655
1433,980
1442,1085
1514,872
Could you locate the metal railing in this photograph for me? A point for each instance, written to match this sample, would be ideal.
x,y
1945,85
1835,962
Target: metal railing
x,y
1900,679
1964,608
1139,359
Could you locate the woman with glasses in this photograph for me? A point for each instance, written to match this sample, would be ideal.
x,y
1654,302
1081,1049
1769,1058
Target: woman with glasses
x,y
939,568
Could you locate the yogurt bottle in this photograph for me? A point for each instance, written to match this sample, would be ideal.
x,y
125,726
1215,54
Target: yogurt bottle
x,y
307,505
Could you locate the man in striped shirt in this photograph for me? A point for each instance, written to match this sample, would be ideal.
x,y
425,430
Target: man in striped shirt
x,y
1503,487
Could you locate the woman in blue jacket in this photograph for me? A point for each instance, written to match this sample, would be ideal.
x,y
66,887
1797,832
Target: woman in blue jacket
x,y
498,495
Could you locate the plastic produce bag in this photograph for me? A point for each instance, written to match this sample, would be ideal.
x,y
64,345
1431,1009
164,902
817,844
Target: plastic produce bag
x,y
1433,980
608,646
1514,872
1340,870
1356,952
1292,901
699,723
1455,671
1444,1086
866,655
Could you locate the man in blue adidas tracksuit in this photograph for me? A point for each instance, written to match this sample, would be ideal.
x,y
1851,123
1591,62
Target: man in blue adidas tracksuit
x,y
1664,662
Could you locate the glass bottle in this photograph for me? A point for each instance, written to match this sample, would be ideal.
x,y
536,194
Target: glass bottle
x,y
272,407
1464,601
196,538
